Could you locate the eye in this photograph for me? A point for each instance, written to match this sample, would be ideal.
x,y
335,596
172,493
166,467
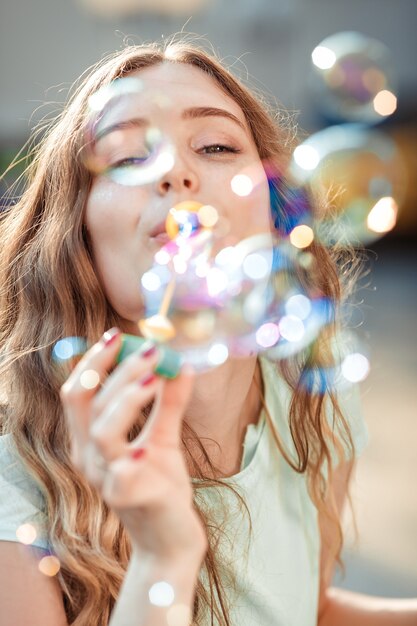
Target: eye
x,y
129,161
218,148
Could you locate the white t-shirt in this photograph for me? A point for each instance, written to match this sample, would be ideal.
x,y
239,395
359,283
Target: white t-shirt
x,y
276,570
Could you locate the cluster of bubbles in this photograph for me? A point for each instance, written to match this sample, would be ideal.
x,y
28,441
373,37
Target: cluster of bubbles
x,y
249,297
206,295
358,167
362,171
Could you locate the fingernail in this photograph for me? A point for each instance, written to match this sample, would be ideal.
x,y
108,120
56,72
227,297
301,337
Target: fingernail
x,y
138,453
149,352
110,336
148,380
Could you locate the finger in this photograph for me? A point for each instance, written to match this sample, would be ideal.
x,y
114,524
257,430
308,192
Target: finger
x,y
81,385
129,484
109,430
164,425
132,369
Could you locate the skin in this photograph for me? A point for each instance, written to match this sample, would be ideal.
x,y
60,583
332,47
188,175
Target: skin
x,y
120,219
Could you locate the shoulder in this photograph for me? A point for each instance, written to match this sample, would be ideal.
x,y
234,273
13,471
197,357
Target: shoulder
x,y
22,502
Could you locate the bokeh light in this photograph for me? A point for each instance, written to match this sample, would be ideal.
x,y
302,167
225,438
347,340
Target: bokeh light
x,y
385,102
68,348
90,379
383,215
26,533
242,185
161,594
355,367
349,365
218,354
49,565
302,236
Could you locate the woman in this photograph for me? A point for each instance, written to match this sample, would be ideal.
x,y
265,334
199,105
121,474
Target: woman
x,y
231,494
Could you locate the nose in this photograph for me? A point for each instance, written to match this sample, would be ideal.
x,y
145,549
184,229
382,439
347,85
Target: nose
x,y
181,177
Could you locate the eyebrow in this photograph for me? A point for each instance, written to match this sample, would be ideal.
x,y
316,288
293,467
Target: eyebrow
x,y
198,112
188,114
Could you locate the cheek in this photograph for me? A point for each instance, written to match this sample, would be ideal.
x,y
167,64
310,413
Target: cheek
x,y
111,218
108,210
250,215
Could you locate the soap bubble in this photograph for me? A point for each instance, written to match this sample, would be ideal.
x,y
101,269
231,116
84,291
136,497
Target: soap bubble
x,y
362,171
353,78
126,137
297,309
254,296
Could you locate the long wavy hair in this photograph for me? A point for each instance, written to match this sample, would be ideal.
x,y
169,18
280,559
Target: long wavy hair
x,y
50,290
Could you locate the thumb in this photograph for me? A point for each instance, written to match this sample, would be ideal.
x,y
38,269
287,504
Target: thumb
x,y
166,424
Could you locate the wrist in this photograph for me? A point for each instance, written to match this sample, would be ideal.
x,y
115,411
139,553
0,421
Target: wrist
x,y
176,566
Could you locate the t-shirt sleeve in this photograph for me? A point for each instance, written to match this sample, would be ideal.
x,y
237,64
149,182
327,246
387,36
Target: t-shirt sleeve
x,y
21,501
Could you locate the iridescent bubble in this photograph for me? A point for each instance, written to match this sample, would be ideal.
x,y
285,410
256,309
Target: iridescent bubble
x,y
250,297
127,134
362,173
353,78
297,307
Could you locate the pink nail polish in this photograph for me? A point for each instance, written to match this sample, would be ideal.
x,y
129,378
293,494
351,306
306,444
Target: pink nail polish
x,y
149,352
138,453
110,336
148,380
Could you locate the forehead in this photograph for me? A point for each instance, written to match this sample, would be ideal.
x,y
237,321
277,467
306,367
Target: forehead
x,y
187,86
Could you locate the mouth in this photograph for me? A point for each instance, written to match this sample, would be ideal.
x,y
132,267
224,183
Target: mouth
x,y
159,234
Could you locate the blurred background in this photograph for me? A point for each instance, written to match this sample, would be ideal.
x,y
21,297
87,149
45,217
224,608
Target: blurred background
x,y
46,44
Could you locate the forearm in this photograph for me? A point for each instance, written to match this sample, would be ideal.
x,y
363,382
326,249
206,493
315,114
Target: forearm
x,y
134,608
344,608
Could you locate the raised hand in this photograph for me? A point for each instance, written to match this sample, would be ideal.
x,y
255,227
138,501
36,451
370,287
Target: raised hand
x,y
146,481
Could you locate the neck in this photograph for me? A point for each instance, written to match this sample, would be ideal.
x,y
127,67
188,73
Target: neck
x,y
224,402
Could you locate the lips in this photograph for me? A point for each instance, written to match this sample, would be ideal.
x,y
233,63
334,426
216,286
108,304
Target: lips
x,y
159,229
162,238
159,234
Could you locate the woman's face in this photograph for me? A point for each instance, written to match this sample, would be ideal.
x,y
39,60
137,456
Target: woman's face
x,y
211,148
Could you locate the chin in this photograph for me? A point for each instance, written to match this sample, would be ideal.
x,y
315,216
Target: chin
x,y
130,326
